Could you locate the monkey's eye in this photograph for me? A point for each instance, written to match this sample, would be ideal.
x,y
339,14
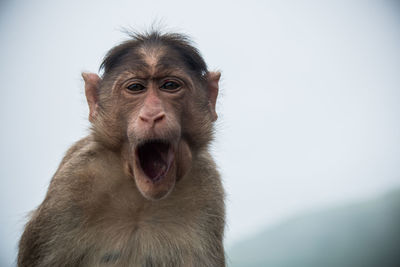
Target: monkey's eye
x,y
135,87
170,86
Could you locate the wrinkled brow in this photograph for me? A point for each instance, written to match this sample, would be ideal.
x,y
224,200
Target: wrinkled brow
x,y
170,63
164,64
161,68
137,66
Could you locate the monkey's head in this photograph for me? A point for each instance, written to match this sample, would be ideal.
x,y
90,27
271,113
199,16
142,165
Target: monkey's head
x,y
155,104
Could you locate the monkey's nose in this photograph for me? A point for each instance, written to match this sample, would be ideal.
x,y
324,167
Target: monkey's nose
x,y
152,120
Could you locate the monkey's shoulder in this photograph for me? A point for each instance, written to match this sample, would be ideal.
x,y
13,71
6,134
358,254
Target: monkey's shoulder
x,y
87,173
80,153
85,157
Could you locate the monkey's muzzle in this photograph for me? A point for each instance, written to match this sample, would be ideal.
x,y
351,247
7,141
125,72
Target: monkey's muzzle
x,y
155,158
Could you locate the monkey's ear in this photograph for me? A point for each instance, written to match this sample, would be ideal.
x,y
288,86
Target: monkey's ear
x,y
212,82
92,81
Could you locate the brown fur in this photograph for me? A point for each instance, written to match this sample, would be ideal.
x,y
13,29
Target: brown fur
x,y
97,211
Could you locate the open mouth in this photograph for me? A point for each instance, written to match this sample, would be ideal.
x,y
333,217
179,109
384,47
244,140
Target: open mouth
x,y
155,158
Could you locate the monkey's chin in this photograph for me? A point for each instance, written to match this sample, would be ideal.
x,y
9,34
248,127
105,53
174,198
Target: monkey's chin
x,y
154,169
156,190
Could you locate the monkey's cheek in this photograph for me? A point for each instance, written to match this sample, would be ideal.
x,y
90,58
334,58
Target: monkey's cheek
x,y
155,190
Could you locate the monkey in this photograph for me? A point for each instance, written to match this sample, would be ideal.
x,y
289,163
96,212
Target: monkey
x,y
142,189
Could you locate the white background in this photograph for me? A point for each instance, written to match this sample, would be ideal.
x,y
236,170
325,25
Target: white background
x,y
309,105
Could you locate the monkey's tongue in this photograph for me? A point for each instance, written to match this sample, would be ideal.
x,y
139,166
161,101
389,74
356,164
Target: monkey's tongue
x,y
155,159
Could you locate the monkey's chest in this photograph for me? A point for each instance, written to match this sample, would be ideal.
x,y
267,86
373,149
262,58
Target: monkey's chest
x,y
148,241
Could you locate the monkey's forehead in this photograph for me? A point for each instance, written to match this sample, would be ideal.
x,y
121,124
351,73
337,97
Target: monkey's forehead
x,y
155,61
160,67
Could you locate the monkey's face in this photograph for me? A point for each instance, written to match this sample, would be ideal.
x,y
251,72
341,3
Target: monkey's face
x,y
153,110
153,107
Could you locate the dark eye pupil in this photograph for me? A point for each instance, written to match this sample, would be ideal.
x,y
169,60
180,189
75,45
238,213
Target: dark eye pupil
x,y
135,87
170,86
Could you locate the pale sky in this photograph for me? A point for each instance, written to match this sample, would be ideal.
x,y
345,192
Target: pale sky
x,y
309,107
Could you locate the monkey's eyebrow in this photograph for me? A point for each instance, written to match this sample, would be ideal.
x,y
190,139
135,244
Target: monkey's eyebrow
x,y
141,73
163,70
162,73
159,72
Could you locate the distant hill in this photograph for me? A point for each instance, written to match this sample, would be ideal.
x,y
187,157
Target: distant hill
x,y
359,235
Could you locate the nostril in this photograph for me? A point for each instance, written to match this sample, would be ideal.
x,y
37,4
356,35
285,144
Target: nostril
x,y
159,117
143,118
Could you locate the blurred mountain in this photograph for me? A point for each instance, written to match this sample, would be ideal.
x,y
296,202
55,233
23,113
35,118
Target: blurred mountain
x,y
359,235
